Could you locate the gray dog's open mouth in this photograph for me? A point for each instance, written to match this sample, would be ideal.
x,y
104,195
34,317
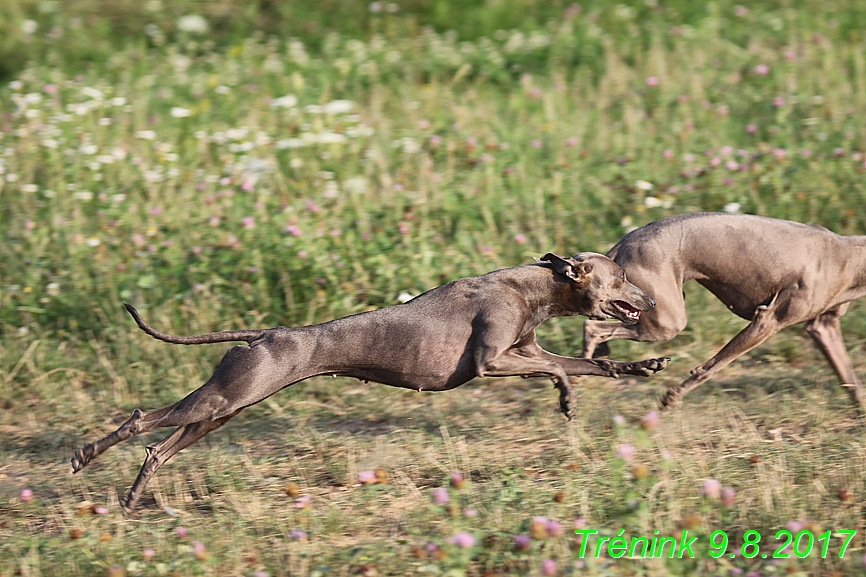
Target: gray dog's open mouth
x,y
629,311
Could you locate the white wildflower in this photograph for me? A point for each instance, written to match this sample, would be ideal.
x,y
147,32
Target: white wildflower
x,y
16,85
287,101
237,133
29,26
273,64
298,53
155,175
146,134
289,143
83,195
332,190
624,12
328,137
644,185
515,42
32,98
241,147
93,241
364,130
181,63
89,149
192,23
32,113
338,107
93,93
29,188
118,101
410,145
52,289
732,207
355,185
652,202
81,108
405,297
118,198
222,89
179,112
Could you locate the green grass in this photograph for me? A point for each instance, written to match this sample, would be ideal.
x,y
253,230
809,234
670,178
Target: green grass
x,y
169,171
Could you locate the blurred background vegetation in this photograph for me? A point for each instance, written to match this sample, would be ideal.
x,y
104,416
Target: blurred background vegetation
x,y
78,34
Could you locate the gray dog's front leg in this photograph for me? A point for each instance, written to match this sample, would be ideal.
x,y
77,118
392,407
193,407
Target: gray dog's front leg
x,y
512,364
576,367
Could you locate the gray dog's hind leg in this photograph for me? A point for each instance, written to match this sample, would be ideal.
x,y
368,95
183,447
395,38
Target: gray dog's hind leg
x,y
139,422
160,453
213,400
81,457
825,331
764,325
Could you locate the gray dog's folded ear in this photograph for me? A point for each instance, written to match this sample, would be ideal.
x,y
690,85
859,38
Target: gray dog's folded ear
x,y
566,267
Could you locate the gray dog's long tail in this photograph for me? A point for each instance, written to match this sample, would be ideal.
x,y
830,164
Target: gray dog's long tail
x,y
220,337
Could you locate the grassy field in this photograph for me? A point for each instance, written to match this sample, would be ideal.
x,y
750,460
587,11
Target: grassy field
x,y
221,177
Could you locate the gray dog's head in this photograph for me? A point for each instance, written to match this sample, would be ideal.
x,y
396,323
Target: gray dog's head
x,y
602,289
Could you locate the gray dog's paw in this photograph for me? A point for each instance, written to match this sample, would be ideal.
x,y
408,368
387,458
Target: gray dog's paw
x,y
650,366
669,399
128,507
568,404
81,457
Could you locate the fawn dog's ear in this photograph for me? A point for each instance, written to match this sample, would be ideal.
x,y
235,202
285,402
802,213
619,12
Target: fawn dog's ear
x,y
570,267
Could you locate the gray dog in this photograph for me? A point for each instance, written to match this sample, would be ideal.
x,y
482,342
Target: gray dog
x,y
473,327
774,273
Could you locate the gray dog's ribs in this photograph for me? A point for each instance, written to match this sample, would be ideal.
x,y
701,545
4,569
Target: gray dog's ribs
x,y
472,327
